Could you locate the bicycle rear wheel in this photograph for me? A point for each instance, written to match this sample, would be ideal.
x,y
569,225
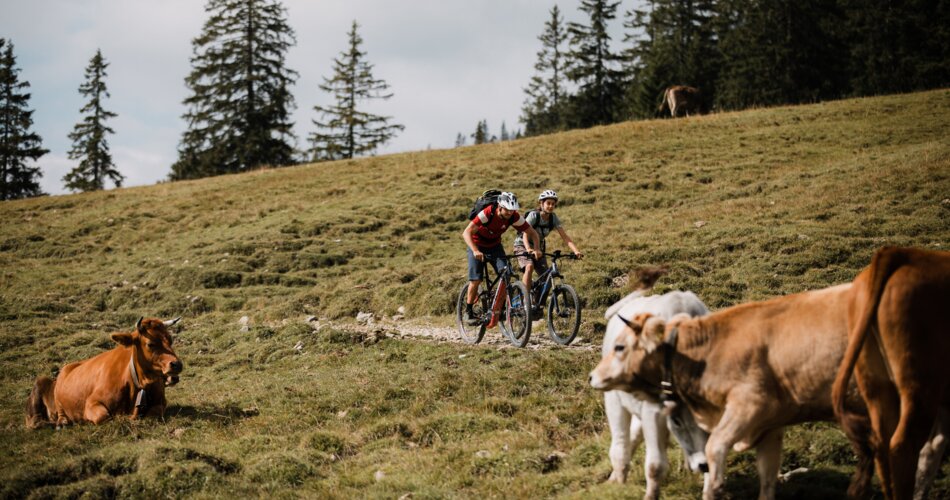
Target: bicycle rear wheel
x,y
517,322
471,333
564,314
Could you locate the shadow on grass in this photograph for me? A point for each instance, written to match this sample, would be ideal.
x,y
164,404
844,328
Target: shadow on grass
x,y
224,415
816,484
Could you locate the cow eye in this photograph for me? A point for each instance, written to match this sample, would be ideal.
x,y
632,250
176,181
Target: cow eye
x,y
618,348
153,345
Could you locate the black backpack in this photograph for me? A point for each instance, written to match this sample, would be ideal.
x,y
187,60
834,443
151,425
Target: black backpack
x,y
489,197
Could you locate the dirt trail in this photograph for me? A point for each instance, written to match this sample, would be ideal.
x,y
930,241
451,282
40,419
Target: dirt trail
x,y
436,330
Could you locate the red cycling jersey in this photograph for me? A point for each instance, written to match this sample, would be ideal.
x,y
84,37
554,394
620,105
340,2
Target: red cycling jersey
x,y
488,228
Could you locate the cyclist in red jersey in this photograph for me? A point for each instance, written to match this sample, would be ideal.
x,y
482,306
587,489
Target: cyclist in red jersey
x,y
483,238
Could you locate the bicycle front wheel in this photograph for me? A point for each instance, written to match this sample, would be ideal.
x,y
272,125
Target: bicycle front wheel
x,y
517,322
564,314
471,330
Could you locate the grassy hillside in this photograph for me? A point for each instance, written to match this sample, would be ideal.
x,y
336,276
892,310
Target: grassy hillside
x,y
741,206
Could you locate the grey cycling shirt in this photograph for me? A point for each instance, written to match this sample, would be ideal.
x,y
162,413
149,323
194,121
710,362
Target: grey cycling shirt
x,y
543,228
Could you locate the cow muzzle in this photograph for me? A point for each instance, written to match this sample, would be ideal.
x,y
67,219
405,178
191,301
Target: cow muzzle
x,y
171,376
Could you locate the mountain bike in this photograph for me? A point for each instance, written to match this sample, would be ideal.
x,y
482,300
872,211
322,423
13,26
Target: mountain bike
x,y
503,301
564,309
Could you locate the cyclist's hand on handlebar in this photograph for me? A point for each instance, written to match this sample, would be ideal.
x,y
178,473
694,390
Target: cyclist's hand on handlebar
x,y
479,256
537,253
578,254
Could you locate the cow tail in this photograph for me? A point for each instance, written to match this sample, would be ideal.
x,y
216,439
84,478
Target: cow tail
x,y
885,262
39,406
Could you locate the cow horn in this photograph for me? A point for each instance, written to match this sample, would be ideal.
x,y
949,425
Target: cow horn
x,y
172,322
625,321
138,324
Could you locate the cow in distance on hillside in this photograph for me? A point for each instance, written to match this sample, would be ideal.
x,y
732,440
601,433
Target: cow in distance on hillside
x,y
681,100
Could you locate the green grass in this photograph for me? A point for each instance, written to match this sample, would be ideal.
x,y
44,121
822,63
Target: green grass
x,y
741,206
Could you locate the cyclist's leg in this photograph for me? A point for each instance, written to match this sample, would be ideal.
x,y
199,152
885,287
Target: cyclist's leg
x,y
496,257
474,277
527,267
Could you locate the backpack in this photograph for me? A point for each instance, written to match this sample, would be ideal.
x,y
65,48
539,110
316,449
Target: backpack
x,y
489,197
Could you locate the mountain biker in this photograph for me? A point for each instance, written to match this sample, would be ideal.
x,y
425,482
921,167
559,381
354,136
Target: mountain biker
x,y
483,237
543,221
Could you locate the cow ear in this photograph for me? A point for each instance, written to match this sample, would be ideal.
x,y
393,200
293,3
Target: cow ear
x,y
122,338
652,335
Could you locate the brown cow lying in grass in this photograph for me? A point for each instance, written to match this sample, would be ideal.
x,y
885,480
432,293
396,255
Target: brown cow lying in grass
x,y
900,342
129,379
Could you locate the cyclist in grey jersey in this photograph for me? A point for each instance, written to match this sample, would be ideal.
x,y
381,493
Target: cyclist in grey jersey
x,y
544,221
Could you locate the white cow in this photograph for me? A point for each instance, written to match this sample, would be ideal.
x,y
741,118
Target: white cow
x,y
632,419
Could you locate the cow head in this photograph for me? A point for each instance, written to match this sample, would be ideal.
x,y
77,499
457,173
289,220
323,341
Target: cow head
x,y
633,350
153,348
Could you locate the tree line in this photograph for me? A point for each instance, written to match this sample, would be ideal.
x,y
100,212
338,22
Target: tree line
x,y
237,114
739,53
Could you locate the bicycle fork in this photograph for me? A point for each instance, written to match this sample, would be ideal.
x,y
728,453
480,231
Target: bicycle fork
x,y
501,296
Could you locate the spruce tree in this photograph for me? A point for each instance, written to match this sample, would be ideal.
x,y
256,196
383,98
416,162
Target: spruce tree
x,y
239,109
594,68
780,51
480,136
503,135
542,111
17,142
459,140
673,43
347,131
90,146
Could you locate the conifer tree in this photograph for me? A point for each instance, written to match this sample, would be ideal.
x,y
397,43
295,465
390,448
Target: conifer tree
x,y
780,51
503,135
542,111
346,130
594,68
673,43
90,146
480,135
459,140
239,109
17,143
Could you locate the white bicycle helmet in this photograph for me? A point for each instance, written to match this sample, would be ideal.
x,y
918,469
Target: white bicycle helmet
x,y
547,193
508,200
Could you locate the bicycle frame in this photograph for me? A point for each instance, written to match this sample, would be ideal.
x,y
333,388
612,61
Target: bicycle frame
x,y
500,285
545,281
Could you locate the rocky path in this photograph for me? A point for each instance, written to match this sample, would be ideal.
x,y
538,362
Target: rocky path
x,y
444,330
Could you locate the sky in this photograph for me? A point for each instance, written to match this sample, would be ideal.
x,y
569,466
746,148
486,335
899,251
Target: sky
x,y
449,64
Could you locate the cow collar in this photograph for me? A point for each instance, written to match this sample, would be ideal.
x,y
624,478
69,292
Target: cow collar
x,y
140,399
667,391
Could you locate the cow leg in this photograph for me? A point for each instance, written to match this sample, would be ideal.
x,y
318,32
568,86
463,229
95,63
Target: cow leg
x,y
917,420
656,436
768,458
96,412
730,428
883,403
932,455
624,435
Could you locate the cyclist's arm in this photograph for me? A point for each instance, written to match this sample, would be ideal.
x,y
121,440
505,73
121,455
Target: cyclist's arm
x,y
570,243
535,241
467,236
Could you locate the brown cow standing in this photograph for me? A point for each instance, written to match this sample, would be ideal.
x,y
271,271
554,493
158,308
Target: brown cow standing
x,y
681,99
744,372
903,369
129,379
